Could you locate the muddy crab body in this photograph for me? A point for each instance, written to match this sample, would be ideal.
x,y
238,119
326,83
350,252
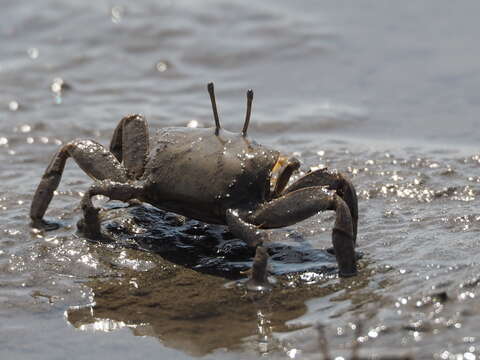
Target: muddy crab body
x,y
211,175
201,176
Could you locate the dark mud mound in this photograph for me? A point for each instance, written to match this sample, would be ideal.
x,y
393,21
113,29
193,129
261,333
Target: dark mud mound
x,y
208,248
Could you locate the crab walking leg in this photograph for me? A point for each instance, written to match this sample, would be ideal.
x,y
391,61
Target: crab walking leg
x,y
253,237
113,190
92,158
334,181
258,280
130,144
303,203
249,233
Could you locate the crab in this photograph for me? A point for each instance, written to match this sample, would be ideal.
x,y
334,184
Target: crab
x,y
211,175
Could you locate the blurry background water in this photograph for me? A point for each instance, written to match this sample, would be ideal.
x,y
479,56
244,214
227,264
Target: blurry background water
x,y
387,92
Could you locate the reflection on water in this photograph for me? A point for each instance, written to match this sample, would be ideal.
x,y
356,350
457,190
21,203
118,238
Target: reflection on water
x,y
189,311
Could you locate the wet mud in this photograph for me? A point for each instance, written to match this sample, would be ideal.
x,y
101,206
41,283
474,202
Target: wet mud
x,y
386,93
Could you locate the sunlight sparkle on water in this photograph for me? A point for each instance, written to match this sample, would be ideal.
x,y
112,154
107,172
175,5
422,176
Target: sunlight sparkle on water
x,y
105,325
161,66
292,353
33,52
13,105
88,260
25,128
117,14
192,123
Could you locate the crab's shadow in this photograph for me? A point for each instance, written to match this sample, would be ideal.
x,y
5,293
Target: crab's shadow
x,y
205,247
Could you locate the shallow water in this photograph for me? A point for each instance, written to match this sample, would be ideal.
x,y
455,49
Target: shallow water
x,y
387,93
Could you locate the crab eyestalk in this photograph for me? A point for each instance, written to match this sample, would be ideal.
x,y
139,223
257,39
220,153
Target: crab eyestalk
x,y
249,111
214,107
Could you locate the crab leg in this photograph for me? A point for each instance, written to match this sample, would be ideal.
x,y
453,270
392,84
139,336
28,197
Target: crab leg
x,y
92,158
115,191
333,181
259,277
254,237
303,203
130,144
248,232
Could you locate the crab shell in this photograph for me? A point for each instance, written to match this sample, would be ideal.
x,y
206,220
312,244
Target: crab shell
x,y
193,172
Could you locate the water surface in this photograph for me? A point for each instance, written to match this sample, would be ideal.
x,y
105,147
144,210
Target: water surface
x,y
387,93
